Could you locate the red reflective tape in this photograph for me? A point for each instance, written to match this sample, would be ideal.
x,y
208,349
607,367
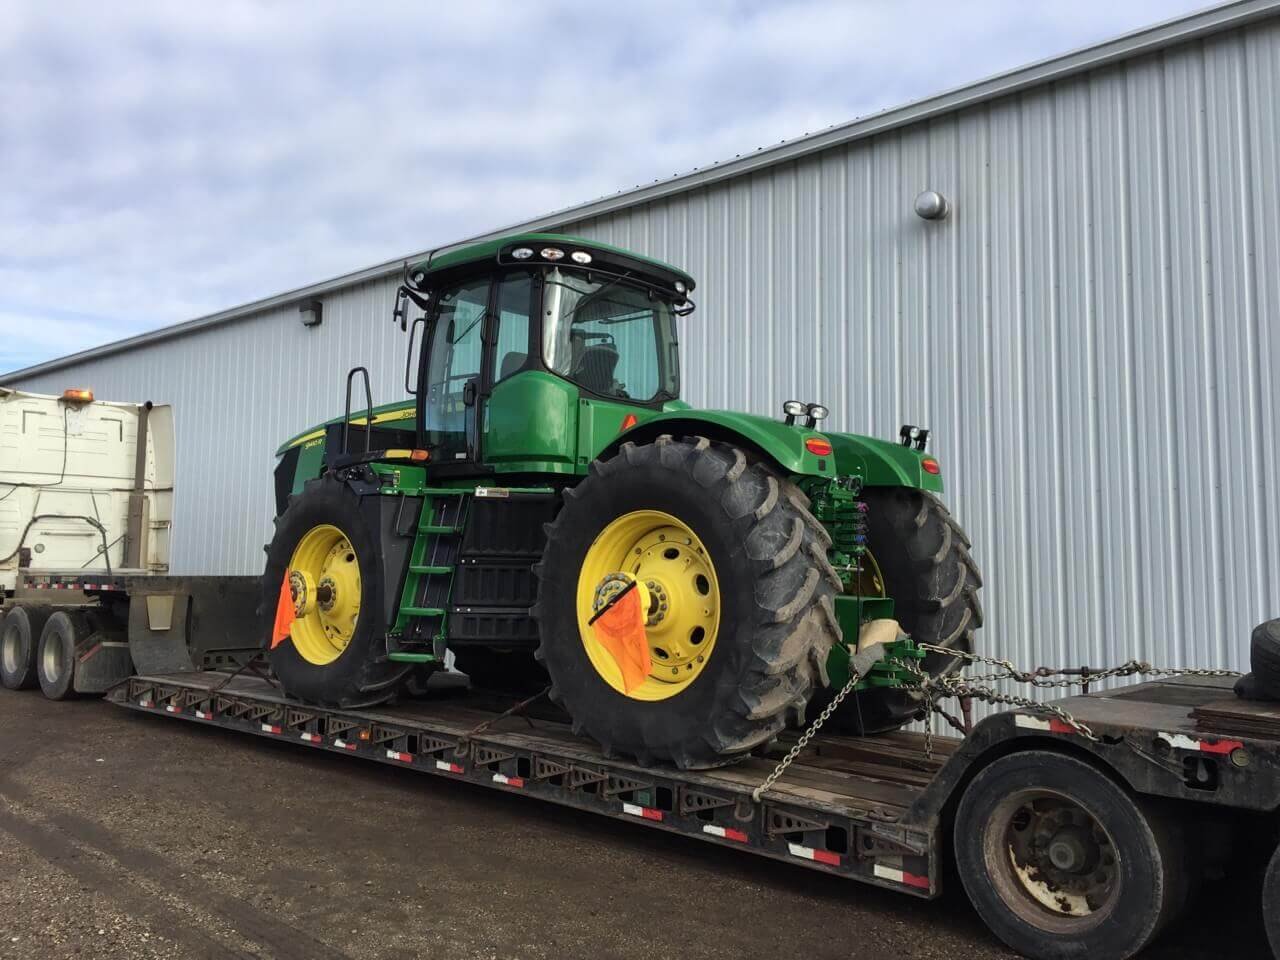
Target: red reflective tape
x,y
170,708
343,745
311,737
448,767
502,778
726,833
1220,746
818,856
400,755
269,728
204,716
646,813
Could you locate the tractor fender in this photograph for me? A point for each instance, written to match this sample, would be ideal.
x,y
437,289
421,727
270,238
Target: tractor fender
x,y
877,462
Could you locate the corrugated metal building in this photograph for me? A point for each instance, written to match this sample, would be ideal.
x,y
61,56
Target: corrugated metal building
x,y
1091,333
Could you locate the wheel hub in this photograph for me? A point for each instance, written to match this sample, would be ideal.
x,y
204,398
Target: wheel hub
x,y
1058,853
1072,850
678,594
324,582
9,650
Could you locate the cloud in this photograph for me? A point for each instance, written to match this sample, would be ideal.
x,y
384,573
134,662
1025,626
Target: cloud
x,y
162,161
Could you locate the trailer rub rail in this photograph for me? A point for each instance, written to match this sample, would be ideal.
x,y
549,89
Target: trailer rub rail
x,y
808,821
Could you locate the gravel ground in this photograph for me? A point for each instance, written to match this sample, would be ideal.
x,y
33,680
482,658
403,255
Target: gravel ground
x,y
124,836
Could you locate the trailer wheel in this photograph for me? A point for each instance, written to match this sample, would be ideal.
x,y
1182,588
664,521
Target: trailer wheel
x,y
1061,862
329,559
1271,902
19,634
56,656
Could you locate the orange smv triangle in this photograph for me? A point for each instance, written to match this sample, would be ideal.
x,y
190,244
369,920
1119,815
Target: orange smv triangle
x,y
284,613
621,631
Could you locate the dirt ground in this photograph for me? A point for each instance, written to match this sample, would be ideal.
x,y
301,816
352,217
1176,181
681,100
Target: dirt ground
x,y
126,836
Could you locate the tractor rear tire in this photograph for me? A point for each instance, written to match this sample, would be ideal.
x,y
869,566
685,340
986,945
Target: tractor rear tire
x,y
360,675
774,587
923,556
19,636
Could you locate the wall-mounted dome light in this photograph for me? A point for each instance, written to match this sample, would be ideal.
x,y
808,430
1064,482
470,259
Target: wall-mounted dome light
x,y
931,205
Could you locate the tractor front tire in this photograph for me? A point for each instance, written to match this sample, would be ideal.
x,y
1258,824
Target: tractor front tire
x,y
752,532
351,670
923,558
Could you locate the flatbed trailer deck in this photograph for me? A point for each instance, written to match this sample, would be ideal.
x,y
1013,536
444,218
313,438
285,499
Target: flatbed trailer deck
x,y
874,809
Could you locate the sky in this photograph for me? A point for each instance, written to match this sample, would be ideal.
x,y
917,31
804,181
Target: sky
x,y
160,161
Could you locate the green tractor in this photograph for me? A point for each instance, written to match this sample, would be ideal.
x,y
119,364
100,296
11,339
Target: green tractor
x,y
545,507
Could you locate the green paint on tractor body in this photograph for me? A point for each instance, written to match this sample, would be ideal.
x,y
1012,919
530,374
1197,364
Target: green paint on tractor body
x,y
533,365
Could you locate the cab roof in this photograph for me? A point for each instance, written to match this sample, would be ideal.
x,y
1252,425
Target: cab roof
x,y
606,253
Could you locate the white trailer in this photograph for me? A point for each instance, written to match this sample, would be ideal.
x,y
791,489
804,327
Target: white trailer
x,y
85,485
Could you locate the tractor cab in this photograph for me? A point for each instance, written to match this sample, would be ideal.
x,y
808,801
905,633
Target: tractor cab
x,y
516,337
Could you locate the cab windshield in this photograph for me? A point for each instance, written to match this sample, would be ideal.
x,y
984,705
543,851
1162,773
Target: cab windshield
x,y
609,337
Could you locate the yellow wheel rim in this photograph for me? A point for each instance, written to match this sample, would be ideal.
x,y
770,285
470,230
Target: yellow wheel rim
x,y
869,581
324,581
678,589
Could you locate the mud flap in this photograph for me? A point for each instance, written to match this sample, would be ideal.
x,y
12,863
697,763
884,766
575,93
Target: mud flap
x,y
179,624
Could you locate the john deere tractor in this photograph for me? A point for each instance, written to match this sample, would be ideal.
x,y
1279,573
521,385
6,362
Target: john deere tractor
x,y
687,582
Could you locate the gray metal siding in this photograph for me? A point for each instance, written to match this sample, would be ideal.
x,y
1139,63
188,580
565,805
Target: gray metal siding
x,y
1091,336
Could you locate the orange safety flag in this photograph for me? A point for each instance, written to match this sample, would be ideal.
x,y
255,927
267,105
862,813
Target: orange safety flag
x,y
620,630
284,613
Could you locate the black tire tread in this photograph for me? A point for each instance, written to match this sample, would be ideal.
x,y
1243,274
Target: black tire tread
x,y
942,608
378,679
35,616
793,625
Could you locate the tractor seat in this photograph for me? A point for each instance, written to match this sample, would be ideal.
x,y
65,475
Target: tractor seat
x,y
512,362
595,367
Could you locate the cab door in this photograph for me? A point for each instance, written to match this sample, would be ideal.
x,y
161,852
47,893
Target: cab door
x,y
449,393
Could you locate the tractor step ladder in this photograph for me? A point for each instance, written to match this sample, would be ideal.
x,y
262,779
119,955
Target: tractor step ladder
x,y
434,555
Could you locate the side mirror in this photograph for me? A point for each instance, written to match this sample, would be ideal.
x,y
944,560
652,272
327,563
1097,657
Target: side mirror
x,y
469,393
400,311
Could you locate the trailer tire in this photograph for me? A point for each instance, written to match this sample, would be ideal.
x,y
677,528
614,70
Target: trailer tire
x,y
923,556
56,655
19,635
1271,902
1107,855
360,674
770,583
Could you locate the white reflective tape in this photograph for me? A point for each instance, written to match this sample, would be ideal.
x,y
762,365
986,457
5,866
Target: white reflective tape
x,y
1028,723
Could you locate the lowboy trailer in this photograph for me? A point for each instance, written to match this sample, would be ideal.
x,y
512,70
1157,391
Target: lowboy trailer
x,y
1077,837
